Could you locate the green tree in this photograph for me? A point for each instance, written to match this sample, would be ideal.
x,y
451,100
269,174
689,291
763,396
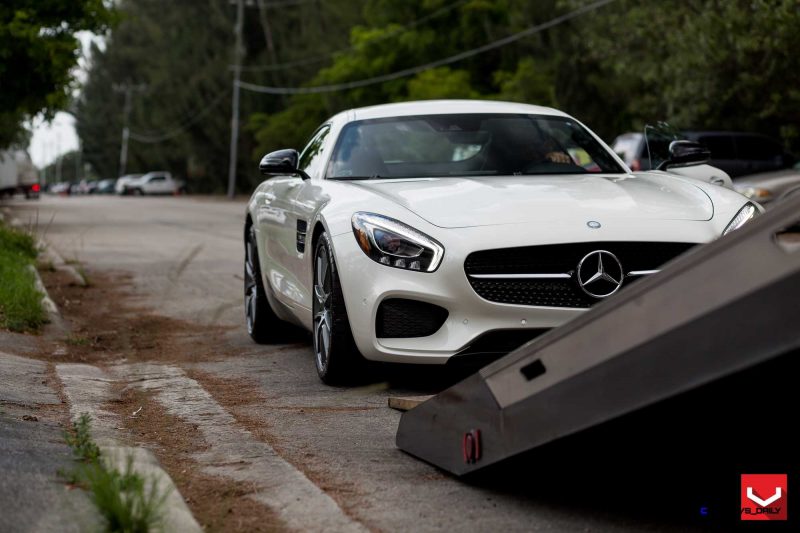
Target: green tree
x,y
38,51
181,52
697,63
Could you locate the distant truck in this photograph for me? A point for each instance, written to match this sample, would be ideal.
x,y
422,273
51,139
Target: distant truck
x,y
159,182
18,175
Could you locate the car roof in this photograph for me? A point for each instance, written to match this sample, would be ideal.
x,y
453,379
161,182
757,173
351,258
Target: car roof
x,y
444,107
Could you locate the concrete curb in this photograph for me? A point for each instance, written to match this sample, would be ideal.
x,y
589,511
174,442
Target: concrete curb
x,y
47,302
49,255
88,389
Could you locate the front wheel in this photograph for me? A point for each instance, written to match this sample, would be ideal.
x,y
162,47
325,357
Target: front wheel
x,y
335,354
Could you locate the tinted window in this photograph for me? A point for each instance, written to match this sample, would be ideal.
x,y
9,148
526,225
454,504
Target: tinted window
x,y
312,153
469,144
754,147
721,146
157,178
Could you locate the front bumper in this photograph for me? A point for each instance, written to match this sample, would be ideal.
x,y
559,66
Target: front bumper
x,y
366,284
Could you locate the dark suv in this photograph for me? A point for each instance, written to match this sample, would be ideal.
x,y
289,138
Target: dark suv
x,y
737,153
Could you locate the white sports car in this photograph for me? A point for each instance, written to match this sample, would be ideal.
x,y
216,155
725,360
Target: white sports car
x,y
425,231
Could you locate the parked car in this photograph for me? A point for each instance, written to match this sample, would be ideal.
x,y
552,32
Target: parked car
x,y
155,183
106,186
737,153
425,231
61,188
768,188
87,186
119,187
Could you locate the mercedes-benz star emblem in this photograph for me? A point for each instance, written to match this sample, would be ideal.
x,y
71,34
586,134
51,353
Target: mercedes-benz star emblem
x,y
600,274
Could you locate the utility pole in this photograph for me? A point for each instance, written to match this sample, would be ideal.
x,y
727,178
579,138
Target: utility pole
x,y
58,160
237,72
127,89
78,160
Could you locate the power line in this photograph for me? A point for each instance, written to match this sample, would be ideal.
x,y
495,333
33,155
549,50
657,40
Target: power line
x,y
421,68
318,59
181,127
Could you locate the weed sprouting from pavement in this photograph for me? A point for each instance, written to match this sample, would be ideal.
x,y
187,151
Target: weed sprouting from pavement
x,y
126,500
80,440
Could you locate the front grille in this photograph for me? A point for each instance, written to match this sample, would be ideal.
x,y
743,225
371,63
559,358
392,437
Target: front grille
x,y
558,259
402,318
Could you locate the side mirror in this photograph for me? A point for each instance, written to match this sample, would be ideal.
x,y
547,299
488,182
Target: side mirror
x,y
281,163
684,154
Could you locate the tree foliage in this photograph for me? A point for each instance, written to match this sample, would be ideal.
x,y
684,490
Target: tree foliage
x,y
38,51
696,63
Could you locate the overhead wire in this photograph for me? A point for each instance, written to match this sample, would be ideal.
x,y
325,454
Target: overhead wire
x,y
427,66
318,59
181,127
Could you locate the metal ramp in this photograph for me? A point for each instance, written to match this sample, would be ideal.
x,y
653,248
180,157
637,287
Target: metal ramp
x,y
720,310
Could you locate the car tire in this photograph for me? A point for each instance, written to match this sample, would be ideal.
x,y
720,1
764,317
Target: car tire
x,y
336,356
138,192
263,325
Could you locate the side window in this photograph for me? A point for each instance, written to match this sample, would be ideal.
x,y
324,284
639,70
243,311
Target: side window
x,y
721,146
311,157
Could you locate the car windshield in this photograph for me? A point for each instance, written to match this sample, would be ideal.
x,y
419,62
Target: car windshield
x,y
465,145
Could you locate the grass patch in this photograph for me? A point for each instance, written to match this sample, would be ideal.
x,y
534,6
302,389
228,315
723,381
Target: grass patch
x,y
20,303
77,340
127,501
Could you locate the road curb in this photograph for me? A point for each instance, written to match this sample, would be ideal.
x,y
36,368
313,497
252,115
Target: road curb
x,y
88,389
50,256
48,304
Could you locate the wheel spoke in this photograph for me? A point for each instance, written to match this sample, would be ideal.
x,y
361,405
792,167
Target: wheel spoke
x,y
250,307
322,334
322,282
322,298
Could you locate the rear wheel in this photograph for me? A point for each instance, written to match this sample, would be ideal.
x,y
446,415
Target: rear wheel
x,y
262,323
335,353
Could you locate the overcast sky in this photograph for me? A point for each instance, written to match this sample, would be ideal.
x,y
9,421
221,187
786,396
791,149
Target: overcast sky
x,y
49,140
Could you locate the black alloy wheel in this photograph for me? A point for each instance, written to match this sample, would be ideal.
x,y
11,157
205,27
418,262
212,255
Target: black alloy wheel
x,y
335,354
262,323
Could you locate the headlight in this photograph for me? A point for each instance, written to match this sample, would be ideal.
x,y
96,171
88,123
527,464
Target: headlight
x,y
395,244
745,215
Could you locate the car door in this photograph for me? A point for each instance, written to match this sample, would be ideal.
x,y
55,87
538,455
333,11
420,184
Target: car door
x,y
304,206
287,223
155,184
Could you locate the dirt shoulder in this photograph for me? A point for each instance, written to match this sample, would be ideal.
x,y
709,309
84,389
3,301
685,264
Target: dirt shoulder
x,y
108,326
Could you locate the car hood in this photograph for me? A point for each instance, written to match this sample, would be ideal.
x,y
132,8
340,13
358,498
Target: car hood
x,y
483,201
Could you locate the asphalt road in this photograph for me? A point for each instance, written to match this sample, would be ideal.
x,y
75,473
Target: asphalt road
x,y
185,256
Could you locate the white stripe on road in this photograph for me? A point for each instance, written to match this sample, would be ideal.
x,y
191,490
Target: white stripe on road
x,y
235,453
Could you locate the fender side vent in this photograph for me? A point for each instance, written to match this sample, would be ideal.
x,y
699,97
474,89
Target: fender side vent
x,y
302,227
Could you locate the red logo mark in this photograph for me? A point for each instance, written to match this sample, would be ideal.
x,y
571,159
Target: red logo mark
x,y
471,446
764,497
